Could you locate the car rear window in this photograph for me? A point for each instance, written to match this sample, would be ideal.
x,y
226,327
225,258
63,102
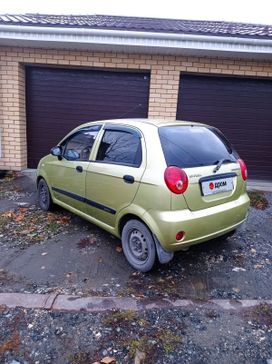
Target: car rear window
x,y
191,146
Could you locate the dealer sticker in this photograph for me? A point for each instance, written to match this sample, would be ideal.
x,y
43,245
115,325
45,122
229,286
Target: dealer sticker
x,y
217,186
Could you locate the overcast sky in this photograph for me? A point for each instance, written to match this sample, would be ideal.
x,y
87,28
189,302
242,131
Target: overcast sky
x,y
229,10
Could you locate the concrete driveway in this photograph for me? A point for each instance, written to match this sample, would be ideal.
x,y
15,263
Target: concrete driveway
x,y
210,304
60,252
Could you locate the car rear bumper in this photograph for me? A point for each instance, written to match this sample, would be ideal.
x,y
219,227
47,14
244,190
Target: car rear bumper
x,y
199,226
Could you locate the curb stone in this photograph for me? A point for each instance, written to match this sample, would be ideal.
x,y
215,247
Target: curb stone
x,y
62,302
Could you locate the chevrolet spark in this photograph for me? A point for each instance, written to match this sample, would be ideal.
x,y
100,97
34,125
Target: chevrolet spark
x,y
159,186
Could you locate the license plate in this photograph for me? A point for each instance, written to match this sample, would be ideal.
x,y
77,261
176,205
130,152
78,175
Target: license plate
x,y
216,186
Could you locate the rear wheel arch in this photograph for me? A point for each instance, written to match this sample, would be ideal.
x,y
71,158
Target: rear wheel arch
x,y
129,216
124,219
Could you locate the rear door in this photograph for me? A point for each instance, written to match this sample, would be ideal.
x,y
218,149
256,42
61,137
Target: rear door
x,y
209,162
113,179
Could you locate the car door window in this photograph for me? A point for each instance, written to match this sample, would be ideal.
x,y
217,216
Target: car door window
x,y
79,145
120,147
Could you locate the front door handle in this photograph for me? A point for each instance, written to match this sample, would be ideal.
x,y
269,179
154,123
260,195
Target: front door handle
x,y
79,169
128,179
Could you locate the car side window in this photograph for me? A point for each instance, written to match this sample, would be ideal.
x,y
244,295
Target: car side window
x,y
79,145
120,147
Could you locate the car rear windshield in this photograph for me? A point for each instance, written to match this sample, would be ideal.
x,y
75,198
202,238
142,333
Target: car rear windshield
x,y
191,146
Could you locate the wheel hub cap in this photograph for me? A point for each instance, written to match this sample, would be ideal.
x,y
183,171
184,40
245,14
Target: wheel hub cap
x,y
138,245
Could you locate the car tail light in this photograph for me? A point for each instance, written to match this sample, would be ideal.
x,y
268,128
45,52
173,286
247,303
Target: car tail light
x,y
243,169
180,235
176,179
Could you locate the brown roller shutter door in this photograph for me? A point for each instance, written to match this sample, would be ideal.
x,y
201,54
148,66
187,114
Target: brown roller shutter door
x,y
240,107
58,100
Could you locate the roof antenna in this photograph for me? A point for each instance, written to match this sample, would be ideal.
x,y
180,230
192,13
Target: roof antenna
x,y
134,108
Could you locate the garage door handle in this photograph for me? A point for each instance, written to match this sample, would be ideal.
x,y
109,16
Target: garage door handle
x,y
128,179
79,169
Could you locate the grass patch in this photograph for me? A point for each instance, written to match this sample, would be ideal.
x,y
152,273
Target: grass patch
x,y
169,340
146,344
120,318
258,200
80,358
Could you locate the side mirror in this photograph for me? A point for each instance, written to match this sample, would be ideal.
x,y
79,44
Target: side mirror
x,y
56,151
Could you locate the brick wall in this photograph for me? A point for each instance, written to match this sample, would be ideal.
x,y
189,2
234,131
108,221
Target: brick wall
x,y
164,84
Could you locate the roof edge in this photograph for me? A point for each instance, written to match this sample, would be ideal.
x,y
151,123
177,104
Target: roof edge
x,y
131,41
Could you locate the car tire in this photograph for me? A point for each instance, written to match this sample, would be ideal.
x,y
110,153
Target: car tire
x,y
44,196
138,246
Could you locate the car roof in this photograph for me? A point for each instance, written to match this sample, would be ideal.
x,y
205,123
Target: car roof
x,y
140,123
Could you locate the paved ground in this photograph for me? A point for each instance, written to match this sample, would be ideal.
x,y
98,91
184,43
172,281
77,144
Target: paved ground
x,y
61,253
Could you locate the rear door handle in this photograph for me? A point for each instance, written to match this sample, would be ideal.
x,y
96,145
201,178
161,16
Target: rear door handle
x,y
128,179
79,169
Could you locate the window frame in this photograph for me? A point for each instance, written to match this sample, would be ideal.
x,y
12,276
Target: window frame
x,y
64,142
124,129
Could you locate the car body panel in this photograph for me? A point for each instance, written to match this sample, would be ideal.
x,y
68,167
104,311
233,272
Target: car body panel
x,y
106,186
67,184
199,226
194,196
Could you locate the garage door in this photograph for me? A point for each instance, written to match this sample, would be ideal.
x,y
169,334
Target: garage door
x,y
60,99
240,107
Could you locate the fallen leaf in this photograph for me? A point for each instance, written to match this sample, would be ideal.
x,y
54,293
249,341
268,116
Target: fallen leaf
x,y
8,214
63,220
107,360
237,290
19,218
253,251
119,249
141,295
139,357
24,232
86,242
50,216
238,269
258,266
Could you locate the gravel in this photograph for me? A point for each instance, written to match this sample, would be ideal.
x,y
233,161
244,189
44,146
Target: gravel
x,y
193,335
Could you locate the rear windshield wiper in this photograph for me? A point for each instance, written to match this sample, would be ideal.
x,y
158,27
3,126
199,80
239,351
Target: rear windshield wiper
x,y
220,162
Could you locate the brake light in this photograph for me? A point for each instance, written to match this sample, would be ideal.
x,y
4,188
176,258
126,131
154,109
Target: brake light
x,y
243,168
176,179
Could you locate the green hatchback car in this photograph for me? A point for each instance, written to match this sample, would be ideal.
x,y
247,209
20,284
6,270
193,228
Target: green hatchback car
x,y
159,186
